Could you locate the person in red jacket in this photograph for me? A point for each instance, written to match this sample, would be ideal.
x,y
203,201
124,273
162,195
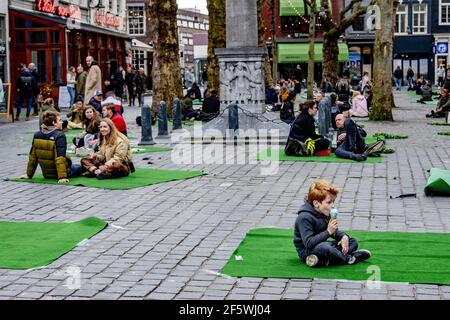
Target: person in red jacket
x,y
109,111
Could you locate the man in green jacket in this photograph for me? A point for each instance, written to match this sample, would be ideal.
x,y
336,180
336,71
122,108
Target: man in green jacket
x,y
49,151
81,81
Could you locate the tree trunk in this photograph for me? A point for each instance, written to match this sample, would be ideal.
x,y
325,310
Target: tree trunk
x,y
262,42
311,41
274,44
330,66
166,64
383,99
216,39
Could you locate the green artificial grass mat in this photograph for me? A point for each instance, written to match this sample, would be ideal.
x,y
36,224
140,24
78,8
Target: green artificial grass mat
x,y
26,245
447,133
141,178
438,183
184,122
271,154
438,124
389,136
400,257
134,150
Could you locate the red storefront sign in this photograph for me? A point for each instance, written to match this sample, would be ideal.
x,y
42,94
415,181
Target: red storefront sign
x,y
107,19
48,6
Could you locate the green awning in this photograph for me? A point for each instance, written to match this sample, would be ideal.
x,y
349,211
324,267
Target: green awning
x,y
293,8
298,52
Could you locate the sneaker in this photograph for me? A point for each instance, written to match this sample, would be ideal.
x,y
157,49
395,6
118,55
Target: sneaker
x,y
312,260
27,118
16,118
360,157
34,114
359,256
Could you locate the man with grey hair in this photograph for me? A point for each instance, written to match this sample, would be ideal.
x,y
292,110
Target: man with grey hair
x,y
93,79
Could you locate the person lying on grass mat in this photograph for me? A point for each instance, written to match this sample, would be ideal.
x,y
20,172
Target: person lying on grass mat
x,y
49,151
314,225
113,159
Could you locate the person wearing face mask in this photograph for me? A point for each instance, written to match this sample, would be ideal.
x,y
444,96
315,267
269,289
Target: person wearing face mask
x,y
314,226
113,159
49,151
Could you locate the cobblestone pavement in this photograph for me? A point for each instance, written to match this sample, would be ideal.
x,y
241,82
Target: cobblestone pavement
x,y
168,241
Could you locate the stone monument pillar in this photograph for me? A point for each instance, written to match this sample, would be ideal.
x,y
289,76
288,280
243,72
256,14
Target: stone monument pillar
x,y
242,72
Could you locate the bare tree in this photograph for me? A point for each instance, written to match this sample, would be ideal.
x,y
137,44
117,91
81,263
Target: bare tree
x,y
333,30
166,64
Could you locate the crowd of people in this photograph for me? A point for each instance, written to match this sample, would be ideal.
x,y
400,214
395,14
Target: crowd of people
x,y
84,85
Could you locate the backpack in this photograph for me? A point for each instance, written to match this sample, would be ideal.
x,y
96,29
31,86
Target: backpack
x,y
295,147
342,87
375,149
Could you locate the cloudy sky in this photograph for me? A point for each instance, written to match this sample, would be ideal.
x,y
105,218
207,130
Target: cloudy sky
x,y
199,4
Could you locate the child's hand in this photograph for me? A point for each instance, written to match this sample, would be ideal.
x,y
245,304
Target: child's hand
x,y
332,226
344,244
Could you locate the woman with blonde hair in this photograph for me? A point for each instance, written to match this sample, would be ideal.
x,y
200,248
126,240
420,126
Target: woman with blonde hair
x,y
113,159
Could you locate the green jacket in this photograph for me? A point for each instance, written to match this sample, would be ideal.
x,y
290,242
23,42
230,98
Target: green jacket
x,y
81,83
49,151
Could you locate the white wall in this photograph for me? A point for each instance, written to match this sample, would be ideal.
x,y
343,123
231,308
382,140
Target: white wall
x,y
3,7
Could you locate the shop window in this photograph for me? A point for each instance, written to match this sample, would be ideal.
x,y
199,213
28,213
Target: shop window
x,y
419,18
423,65
402,19
20,37
136,20
27,24
38,37
38,58
358,25
138,58
56,66
444,9
54,36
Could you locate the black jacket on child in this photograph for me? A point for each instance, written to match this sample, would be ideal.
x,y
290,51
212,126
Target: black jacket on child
x,y
311,229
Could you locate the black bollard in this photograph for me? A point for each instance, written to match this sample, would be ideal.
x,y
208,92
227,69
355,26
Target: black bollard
x,y
233,117
146,127
176,114
162,121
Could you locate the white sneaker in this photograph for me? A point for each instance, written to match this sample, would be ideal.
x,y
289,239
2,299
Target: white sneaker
x,y
312,260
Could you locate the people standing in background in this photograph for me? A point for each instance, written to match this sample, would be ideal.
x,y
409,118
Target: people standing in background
x,y
34,73
409,77
140,80
115,80
398,75
80,87
71,82
27,88
441,75
130,77
93,80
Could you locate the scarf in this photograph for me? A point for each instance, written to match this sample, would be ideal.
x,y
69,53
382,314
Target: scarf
x,y
47,129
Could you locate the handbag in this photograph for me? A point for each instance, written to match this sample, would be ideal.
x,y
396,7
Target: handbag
x,y
295,147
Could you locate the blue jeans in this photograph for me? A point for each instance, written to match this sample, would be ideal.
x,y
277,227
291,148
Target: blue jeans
x,y
410,82
343,151
29,102
76,170
330,253
398,84
71,91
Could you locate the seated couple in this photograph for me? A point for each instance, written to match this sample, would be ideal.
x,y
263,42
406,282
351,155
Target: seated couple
x,y
49,148
303,139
